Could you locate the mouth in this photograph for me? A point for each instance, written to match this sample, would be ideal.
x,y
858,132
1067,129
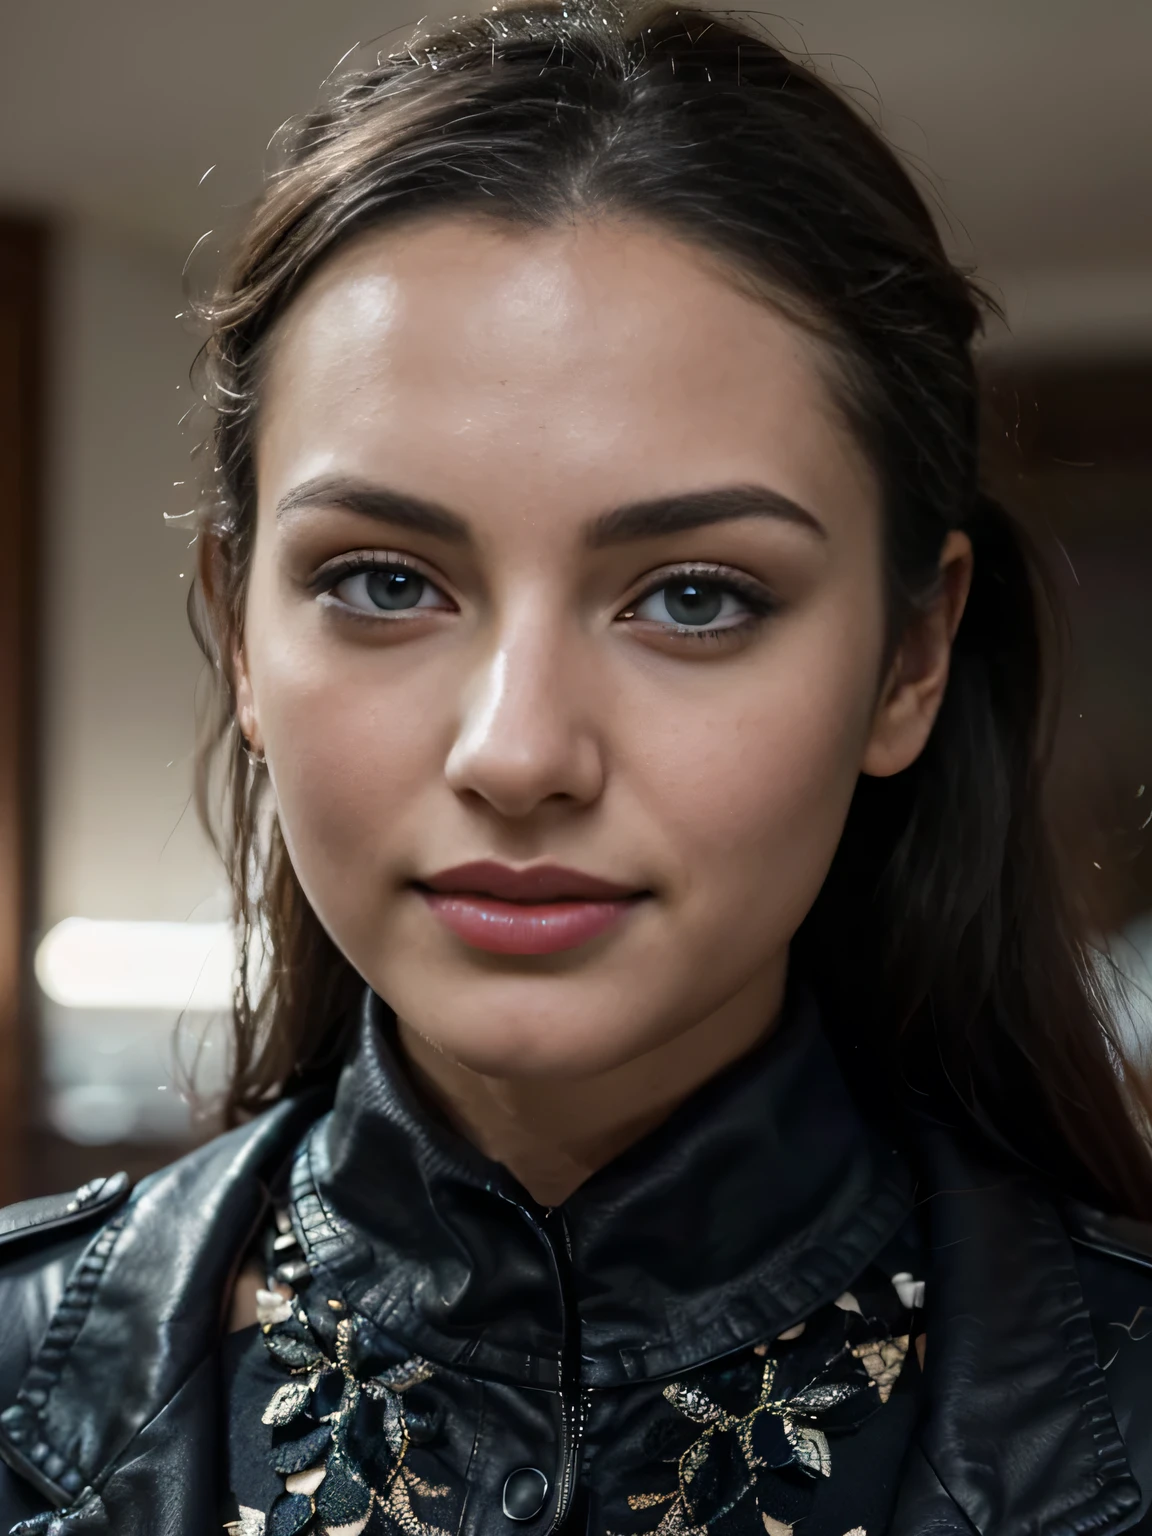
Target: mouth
x,y
540,910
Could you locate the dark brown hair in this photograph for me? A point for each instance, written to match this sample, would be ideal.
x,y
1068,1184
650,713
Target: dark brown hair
x,y
942,944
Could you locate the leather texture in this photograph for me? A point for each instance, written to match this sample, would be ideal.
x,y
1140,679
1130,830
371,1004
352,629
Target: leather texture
x,y
1021,1428
756,1202
1039,1358
552,1333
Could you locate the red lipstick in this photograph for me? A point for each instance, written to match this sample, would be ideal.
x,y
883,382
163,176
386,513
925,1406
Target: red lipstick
x,y
535,911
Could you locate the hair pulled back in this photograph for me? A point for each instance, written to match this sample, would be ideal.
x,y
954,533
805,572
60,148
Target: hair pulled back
x,y
942,943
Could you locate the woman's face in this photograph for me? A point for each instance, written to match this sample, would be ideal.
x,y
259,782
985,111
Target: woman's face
x,y
565,564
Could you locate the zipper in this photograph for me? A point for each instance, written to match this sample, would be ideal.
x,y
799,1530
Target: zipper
x,y
573,1399
550,1223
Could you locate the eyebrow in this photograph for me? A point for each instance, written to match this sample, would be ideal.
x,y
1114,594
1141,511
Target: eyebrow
x,y
650,519
697,509
377,501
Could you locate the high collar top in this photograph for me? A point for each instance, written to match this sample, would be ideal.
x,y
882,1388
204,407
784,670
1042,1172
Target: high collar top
x,y
759,1199
1037,1415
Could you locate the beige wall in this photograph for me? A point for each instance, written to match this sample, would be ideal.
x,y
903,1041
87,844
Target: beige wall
x,y
119,836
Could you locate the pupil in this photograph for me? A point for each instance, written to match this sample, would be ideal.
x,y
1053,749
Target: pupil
x,y
394,589
694,602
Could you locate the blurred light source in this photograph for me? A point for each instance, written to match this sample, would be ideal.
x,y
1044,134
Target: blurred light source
x,y
93,1114
82,963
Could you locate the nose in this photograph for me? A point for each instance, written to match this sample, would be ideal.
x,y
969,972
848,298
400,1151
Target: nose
x,y
526,735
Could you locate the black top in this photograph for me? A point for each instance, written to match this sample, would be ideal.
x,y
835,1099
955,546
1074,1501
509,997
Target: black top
x,y
863,1463
1034,1413
457,1357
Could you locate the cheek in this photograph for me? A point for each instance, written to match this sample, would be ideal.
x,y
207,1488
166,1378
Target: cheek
x,y
341,771
353,742
752,787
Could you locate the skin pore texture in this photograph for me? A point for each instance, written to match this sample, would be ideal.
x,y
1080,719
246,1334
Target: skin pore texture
x,y
503,477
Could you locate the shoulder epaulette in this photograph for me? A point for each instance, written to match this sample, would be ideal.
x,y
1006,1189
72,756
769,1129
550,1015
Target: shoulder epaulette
x,y
1121,1236
51,1212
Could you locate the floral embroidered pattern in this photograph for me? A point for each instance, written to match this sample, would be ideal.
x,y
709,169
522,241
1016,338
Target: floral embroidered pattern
x,y
755,1466
738,1447
341,1437
250,1523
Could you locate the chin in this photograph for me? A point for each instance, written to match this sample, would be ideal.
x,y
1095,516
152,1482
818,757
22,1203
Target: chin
x,y
530,1038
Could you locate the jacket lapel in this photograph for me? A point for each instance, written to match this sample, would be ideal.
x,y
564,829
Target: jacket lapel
x,y
1020,1437
126,1370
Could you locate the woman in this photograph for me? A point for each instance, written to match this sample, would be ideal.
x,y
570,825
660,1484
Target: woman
x,y
632,722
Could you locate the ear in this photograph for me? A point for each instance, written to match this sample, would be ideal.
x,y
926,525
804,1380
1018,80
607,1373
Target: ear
x,y
229,641
246,716
914,687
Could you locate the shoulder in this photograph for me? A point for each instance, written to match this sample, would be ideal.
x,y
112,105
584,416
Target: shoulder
x,y
32,1223
1114,1260
1121,1237
90,1283
40,1242
201,1201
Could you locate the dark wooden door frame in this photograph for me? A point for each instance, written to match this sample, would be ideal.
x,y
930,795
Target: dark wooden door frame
x,y
23,257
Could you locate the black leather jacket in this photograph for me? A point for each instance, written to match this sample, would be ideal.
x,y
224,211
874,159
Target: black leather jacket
x,y
1038,1314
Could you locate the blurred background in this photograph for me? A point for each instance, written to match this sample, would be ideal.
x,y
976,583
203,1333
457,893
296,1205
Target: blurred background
x,y
128,130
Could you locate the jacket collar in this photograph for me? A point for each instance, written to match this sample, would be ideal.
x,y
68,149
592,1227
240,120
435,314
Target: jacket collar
x,y
1019,1435
757,1201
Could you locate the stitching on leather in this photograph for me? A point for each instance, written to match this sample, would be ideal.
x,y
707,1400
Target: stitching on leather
x,y
1097,1510
24,1423
1112,1465
305,1187
829,1272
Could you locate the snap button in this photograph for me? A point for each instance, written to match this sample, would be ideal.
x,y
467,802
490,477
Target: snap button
x,y
525,1491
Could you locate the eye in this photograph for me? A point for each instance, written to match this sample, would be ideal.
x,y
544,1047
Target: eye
x,y
698,603
380,590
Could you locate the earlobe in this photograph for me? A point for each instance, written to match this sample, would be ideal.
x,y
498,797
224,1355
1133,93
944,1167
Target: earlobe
x,y
246,717
914,687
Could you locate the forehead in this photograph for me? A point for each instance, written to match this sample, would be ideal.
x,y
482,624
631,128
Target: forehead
x,y
591,364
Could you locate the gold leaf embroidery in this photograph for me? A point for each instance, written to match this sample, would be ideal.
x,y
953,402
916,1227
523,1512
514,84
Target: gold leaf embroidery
x,y
288,1399
883,1360
398,1502
810,1446
648,1500
250,1523
693,1404
396,1494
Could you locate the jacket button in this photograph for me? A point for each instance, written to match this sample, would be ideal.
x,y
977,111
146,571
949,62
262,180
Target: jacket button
x,y
525,1492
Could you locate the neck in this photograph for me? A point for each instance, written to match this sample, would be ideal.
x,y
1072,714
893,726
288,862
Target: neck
x,y
553,1133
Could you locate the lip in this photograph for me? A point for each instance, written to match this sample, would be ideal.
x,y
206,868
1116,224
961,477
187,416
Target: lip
x,y
541,910
536,883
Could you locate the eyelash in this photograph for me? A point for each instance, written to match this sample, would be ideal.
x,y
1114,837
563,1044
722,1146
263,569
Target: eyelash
x,y
330,577
759,603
